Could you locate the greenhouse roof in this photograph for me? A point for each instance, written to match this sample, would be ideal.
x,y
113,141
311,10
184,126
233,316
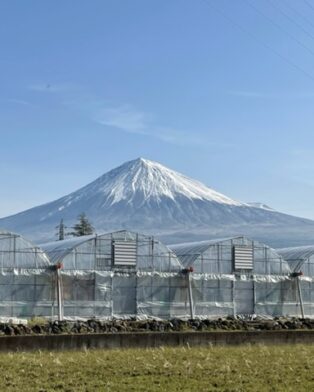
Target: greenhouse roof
x,y
26,254
296,256
188,252
56,250
297,253
63,247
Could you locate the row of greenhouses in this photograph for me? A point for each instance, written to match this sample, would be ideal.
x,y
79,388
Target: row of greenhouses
x,y
125,274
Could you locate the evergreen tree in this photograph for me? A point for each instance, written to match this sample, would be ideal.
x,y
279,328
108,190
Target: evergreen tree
x,y
61,231
83,226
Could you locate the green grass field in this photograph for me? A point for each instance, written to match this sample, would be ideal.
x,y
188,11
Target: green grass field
x,y
246,368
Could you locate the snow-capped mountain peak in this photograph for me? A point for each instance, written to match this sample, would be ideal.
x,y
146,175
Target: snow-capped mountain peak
x,y
150,180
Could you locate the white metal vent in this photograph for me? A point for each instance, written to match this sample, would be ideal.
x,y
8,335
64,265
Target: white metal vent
x,y
243,257
124,252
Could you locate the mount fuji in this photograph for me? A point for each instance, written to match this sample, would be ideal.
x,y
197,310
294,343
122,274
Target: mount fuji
x,y
148,197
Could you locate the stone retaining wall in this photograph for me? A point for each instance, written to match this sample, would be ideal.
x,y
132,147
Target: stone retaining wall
x,y
174,325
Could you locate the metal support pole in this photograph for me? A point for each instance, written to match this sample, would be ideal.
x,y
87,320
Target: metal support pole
x,y
233,299
59,295
188,277
300,296
254,296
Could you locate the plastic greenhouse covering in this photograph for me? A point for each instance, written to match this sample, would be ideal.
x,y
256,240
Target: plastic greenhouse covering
x,y
145,283
301,260
265,287
126,274
26,281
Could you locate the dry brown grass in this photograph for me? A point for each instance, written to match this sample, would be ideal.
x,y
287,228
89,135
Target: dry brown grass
x,y
247,368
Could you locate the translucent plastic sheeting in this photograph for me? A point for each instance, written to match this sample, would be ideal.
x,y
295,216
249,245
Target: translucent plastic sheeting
x,y
280,299
13,320
297,253
26,279
307,292
271,278
119,295
87,294
95,252
163,297
92,286
27,294
216,256
17,252
198,276
300,259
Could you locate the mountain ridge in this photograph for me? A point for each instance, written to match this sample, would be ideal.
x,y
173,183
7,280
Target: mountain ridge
x,y
146,196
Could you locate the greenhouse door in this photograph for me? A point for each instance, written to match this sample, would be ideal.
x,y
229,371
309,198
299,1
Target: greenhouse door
x,y
124,295
244,297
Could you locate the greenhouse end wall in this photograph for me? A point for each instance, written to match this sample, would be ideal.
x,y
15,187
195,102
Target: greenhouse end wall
x,y
93,285
301,261
26,279
219,289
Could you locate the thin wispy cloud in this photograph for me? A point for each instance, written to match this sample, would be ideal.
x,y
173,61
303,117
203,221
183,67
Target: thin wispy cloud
x,y
123,117
127,119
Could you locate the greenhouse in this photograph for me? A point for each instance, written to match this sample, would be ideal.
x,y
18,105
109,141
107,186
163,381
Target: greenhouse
x,y
121,274
301,261
126,274
27,280
238,276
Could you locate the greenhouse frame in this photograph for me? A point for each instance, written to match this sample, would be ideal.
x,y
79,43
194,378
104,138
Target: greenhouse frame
x,y
121,274
125,274
301,261
27,279
239,276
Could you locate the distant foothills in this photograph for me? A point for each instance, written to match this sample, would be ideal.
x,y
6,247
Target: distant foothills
x,y
147,197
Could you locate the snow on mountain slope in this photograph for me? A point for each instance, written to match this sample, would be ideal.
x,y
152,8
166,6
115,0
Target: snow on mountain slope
x,y
150,179
260,205
146,196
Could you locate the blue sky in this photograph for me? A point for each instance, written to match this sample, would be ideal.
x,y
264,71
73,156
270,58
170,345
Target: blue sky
x,y
220,90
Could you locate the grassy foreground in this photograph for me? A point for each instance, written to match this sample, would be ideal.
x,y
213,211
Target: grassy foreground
x,y
246,368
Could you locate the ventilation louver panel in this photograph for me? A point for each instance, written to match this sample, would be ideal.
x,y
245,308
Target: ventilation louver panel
x,y
102,262
124,252
243,258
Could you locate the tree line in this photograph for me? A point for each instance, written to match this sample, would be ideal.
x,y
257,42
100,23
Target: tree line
x,y
82,227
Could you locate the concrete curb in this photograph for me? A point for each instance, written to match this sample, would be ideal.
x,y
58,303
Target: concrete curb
x,y
151,340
